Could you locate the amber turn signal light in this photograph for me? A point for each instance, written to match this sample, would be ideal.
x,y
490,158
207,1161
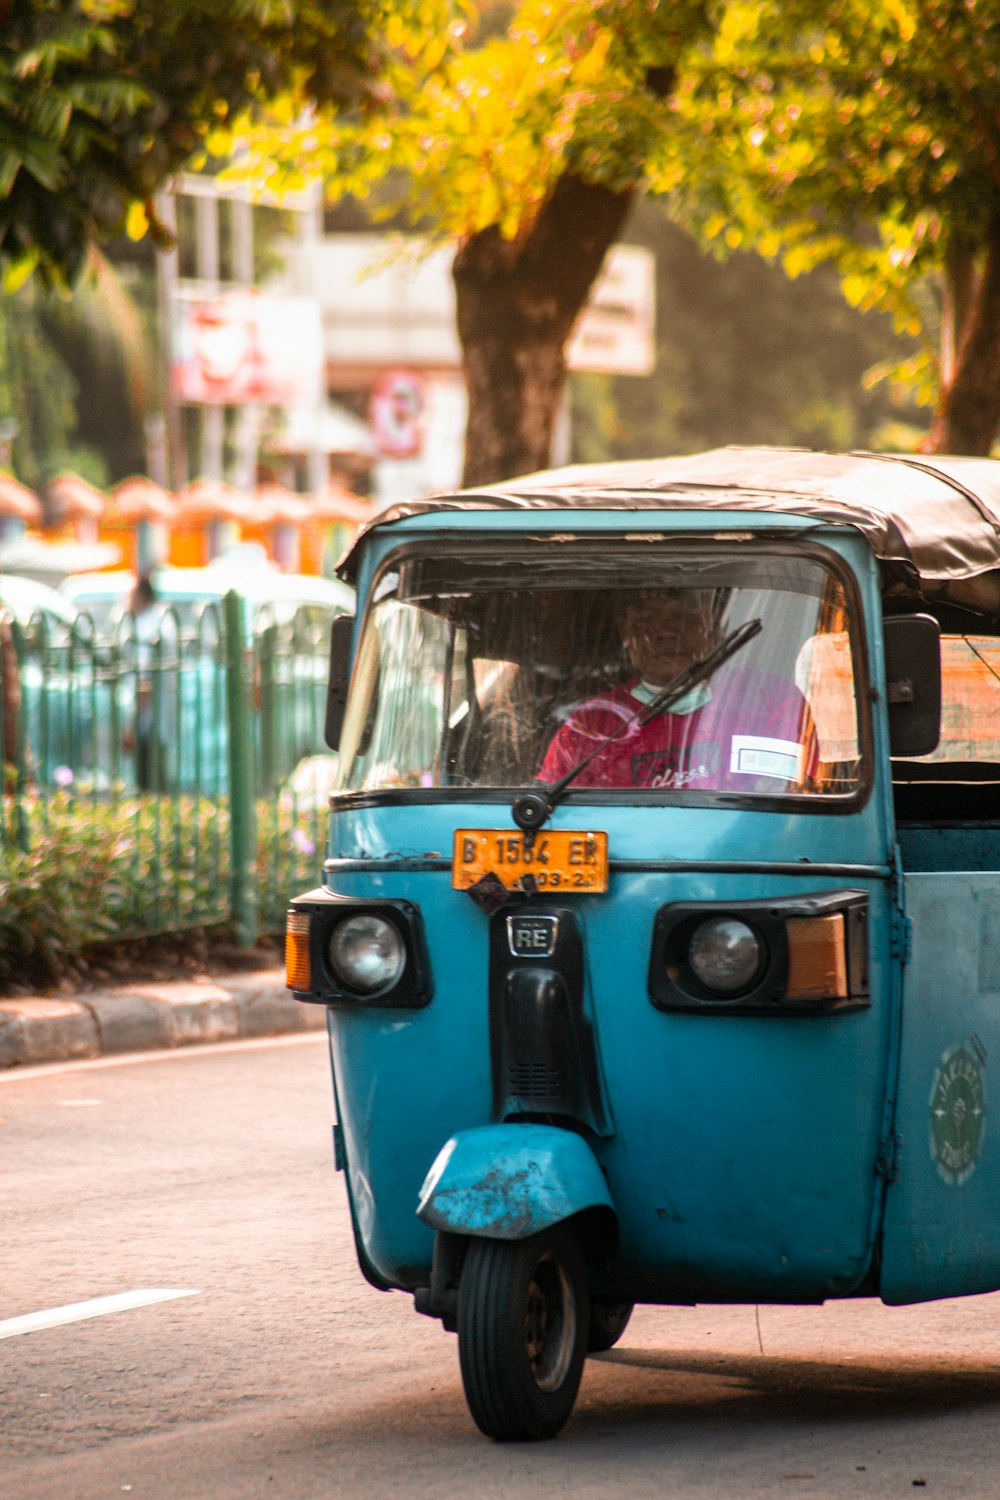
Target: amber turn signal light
x,y
817,958
297,971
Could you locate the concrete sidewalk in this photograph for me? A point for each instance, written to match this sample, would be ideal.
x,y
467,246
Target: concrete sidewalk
x,y
144,1017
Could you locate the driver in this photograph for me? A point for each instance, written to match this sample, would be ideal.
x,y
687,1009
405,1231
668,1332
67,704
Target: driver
x,y
742,730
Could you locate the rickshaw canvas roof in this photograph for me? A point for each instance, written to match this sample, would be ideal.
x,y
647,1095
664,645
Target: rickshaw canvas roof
x,y
937,516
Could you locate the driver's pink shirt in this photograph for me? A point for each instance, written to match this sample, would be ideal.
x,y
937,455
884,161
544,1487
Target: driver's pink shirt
x,y
755,729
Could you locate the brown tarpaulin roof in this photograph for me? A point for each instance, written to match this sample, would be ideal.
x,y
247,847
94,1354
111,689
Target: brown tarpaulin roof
x,y
939,515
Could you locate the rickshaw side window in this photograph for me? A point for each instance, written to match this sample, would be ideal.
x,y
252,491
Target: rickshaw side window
x,y
468,675
960,780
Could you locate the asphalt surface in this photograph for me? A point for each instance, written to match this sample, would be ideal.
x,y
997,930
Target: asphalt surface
x,y
250,1360
150,1017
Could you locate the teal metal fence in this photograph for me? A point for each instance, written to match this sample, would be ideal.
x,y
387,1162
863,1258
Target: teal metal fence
x,y
181,756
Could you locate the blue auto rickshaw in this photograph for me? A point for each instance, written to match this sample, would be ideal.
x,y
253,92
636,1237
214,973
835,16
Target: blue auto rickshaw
x,y
717,1028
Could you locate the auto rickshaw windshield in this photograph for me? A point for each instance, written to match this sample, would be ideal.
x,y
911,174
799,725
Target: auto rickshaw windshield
x,y
497,670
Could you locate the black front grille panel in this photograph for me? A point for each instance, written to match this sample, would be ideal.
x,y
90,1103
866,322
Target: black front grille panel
x,y
535,1081
543,1050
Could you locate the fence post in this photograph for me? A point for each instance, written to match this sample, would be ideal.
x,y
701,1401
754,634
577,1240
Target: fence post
x,y
15,753
242,781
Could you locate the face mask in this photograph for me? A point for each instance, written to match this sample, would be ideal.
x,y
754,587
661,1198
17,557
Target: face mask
x,y
688,703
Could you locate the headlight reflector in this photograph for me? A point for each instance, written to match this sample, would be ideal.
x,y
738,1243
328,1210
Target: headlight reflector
x,y
367,953
725,955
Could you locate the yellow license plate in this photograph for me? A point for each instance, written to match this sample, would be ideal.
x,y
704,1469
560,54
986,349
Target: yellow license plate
x,y
560,860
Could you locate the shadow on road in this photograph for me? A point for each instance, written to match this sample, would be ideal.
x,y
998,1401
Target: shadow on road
x,y
761,1385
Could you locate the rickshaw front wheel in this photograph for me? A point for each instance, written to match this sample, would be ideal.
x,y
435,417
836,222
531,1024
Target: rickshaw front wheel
x,y
608,1320
523,1318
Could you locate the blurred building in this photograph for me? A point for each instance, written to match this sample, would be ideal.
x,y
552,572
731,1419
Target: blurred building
x,y
346,367
390,342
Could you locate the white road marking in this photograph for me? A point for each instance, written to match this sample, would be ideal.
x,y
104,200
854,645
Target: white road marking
x,y
76,1312
169,1054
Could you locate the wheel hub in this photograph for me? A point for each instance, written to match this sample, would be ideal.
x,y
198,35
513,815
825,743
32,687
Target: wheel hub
x,y
549,1318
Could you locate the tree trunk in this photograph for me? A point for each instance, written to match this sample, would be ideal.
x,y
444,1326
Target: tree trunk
x,y
517,301
960,280
968,412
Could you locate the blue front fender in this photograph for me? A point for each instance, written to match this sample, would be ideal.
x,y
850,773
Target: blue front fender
x,y
506,1182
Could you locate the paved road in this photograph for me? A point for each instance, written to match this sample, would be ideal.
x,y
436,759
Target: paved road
x,y
283,1374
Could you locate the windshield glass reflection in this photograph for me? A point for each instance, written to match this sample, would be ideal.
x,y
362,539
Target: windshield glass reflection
x,y
467,676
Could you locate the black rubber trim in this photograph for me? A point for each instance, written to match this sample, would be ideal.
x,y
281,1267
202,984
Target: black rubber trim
x,y
810,802
334,867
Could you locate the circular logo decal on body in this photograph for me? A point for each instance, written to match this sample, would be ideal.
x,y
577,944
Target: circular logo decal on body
x,y
958,1115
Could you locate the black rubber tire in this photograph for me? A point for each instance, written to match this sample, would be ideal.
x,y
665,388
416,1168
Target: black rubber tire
x,y
523,1316
608,1321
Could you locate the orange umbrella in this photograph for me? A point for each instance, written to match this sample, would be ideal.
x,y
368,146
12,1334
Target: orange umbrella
x,y
274,505
79,500
206,522
18,501
334,516
210,500
140,499
336,503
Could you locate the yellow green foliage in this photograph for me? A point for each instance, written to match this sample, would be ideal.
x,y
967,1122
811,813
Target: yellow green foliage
x,y
810,130
479,126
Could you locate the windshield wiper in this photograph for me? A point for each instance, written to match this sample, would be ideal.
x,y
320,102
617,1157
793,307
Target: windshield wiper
x,y
531,809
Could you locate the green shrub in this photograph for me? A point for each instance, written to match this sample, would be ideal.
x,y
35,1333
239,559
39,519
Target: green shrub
x,y
99,872
56,897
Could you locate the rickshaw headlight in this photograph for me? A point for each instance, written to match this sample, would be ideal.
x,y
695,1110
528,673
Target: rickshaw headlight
x,y
725,955
366,953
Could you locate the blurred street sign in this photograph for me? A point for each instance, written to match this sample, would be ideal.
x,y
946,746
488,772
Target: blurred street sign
x,y
615,332
398,409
